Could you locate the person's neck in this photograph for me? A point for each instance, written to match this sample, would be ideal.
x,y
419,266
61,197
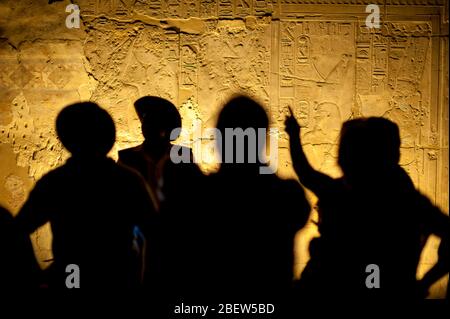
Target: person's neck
x,y
79,158
156,150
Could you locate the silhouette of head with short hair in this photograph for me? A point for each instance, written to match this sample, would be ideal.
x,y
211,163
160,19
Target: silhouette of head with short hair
x,y
158,117
86,130
368,148
351,146
244,113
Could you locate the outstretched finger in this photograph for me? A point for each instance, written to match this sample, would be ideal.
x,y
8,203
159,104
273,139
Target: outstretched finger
x,y
291,113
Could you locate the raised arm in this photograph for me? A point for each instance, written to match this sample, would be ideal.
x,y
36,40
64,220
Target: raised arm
x,y
308,176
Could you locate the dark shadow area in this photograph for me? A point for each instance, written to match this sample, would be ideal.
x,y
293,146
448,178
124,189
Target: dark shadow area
x,y
174,184
247,221
150,221
19,268
92,204
158,118
371,215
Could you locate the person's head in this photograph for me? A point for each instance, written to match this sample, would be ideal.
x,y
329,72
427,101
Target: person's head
x,y
369,147
85,129
158,117
385,141
352,147
240,122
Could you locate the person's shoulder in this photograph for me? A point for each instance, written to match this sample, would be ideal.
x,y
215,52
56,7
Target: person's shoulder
x,y
5,216
333,186
214,181
212,178
52,181
291,187
419,200
289,182
54,175
126,171
294,203
132,151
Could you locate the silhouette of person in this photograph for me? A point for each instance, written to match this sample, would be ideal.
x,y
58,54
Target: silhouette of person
x,y
92,204
19,268
159,118
371,215
245,231
173,182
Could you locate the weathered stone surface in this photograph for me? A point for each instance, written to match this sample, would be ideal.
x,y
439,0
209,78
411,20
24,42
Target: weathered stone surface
x,y
316,56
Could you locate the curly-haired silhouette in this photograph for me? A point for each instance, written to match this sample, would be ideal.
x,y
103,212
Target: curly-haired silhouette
x,y
92,203
371,215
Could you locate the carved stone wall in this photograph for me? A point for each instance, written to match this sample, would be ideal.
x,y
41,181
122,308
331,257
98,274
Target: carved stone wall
x,y
314,55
